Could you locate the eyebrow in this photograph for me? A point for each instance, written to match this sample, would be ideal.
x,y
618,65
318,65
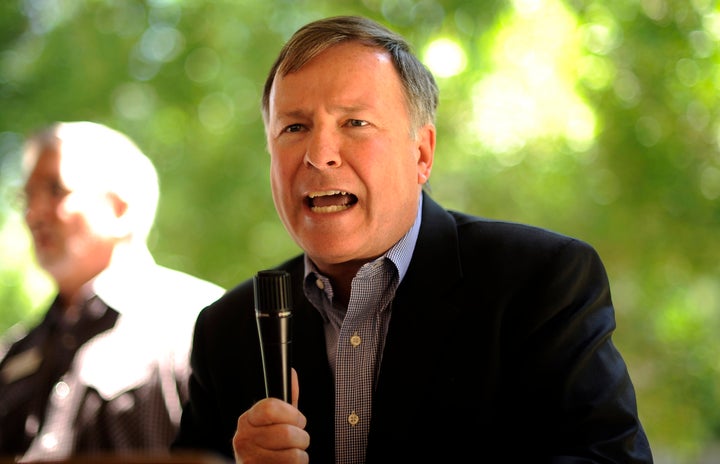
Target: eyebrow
x,y
299,113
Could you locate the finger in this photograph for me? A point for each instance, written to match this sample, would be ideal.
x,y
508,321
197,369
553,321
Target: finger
x,y
276,437
269,411
273,442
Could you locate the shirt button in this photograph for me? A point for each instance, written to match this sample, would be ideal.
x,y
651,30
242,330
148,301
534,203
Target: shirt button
x,y
320,284
49,441
353,419
61,390
355,340
32,425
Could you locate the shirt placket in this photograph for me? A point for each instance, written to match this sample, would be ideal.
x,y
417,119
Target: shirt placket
x,y
357,351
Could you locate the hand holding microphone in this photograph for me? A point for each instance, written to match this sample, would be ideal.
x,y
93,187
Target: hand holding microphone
x,y
273,312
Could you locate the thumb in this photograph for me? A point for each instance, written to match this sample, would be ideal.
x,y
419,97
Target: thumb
x,y
295,388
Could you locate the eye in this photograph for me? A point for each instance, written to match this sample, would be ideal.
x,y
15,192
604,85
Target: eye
x,y
293,128
57,190
51,190
357,123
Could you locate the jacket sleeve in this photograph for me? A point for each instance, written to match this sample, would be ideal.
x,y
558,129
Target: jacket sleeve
x,y
583,400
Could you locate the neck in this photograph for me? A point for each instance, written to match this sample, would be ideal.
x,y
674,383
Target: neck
x,y
73,298
341,276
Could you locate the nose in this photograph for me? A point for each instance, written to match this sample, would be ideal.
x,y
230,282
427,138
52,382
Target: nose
x,y
36,205
33,208
323,149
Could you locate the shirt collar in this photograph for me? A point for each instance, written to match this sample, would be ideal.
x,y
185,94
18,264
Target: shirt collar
x,y
125,284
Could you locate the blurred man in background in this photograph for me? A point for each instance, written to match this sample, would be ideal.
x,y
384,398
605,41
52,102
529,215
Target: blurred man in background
x,y
105,370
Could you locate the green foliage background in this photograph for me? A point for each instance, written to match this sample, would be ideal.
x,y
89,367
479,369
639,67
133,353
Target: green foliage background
x,y
184,79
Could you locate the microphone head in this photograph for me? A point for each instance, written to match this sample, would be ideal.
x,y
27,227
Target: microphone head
x,y
272,291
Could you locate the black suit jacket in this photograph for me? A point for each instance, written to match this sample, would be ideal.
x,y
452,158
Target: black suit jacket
x,y
499,345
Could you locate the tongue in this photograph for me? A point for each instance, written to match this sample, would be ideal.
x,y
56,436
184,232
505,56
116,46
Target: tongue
x,y
331,200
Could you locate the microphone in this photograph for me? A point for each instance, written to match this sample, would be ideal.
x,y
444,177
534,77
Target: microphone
x,y
273,312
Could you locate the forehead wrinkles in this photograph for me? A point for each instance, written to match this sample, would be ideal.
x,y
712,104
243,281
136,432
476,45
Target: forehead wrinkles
x,y
351,64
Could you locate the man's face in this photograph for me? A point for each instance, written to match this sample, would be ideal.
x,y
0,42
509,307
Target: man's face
x,y
68,220
346,169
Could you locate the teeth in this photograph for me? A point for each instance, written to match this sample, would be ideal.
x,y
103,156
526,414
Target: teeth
x,y
329,209
327,193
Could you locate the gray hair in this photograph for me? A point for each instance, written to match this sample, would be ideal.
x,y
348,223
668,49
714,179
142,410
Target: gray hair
x,y
106,159
421,91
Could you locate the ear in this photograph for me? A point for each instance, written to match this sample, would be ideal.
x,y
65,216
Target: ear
x,y
118,204
122,217
426,152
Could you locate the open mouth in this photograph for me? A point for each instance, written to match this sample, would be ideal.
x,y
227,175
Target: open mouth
x,y
330,201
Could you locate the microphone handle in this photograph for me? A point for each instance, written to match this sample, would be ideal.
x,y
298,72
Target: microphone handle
x,y
275,346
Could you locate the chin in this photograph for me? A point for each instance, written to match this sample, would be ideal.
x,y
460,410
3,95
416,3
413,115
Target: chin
x,y
328,253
